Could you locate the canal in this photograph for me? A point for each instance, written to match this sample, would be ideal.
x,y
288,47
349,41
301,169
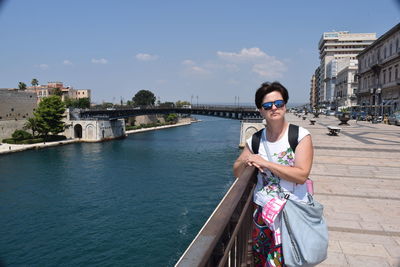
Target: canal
x,y
133,202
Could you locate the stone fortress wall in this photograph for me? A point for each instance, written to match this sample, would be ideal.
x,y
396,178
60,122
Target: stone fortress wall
x,y
16,106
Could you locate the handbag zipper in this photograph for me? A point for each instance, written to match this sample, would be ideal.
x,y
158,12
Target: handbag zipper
x,y
294,246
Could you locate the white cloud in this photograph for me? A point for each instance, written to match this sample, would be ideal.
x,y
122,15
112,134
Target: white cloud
x,y
67,62
99,61
194,69
199,70
245,54
43,66
261,63
146,57
188,62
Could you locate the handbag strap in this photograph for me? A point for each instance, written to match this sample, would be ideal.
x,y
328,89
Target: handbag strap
x,y
264,142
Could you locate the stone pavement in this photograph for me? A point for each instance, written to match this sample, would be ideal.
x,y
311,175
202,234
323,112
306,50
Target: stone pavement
x,y
357,178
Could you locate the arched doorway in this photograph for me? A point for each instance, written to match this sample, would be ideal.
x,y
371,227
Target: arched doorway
x,y
78,131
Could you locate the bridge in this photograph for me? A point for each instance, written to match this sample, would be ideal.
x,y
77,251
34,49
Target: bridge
x,y
232,112
93,125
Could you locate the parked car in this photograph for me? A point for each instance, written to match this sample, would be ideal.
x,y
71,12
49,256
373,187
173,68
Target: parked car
x,y
394,118
330,113
358,115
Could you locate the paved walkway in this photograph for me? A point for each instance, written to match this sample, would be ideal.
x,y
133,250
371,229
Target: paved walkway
x,y
357,177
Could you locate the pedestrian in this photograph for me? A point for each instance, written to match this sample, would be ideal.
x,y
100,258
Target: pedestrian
x,y
279,168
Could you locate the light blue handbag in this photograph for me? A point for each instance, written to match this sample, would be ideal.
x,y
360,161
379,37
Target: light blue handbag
x,y
304,233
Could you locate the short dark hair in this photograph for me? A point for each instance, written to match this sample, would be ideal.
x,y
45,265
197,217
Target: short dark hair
x,y
267,88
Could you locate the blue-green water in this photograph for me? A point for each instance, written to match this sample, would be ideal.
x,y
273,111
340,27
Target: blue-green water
x,y
132,202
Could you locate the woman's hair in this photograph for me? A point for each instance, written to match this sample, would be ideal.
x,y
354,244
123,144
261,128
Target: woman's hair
x,y
267,88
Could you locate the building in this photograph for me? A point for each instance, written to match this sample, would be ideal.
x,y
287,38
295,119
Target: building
x,y
347,85
66,92
313,93
334,48
378,72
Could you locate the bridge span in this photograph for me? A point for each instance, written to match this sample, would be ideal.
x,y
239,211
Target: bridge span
x,y
232,112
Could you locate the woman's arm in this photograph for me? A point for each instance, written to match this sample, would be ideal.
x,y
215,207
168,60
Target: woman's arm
x,y
241,163
302,165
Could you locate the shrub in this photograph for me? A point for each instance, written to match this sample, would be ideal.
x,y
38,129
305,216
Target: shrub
x,y
21,135
9,141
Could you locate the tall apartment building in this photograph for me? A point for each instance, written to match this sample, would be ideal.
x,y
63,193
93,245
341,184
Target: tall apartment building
x,y
379,74
334,48
67,92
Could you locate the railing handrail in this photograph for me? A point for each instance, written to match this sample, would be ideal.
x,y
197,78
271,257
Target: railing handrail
x,y
204,244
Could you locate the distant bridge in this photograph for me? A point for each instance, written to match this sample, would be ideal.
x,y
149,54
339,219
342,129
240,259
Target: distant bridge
x,y
231,112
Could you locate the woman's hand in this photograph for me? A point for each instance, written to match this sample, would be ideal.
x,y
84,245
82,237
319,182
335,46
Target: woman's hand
x,y
257,161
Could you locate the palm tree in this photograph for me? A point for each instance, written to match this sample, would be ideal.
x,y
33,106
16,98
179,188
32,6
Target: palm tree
x,y
21,86
34,82
31,124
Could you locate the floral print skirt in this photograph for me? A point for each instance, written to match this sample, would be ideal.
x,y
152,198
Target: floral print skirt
x,y
265,252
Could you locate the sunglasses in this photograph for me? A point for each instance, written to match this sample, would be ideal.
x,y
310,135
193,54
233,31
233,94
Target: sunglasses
x,y
277,103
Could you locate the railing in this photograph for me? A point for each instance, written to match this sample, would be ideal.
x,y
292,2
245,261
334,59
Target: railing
x,y
225,239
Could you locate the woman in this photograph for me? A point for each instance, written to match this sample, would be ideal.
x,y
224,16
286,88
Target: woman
x,y
286,171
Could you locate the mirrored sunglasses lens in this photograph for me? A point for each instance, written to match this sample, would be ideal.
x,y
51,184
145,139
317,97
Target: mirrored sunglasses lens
x,y
267,105
279,103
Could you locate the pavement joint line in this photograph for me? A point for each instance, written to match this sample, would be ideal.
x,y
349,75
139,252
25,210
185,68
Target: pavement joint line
x,y
363,231
352,177
360,196
355,137
358,149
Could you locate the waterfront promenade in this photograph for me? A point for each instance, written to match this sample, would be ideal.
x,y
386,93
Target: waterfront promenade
x,y
357,178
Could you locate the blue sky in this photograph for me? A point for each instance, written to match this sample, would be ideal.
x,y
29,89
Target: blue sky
x,y
205,51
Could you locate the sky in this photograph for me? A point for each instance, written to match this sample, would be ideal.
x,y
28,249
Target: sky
x,y
209,51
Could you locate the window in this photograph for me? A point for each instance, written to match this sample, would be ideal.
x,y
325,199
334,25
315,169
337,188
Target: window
x,y
384,76
396,72
390,49
384,52
390,74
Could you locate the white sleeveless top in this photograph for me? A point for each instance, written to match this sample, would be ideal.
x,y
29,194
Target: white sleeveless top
x,y
281,153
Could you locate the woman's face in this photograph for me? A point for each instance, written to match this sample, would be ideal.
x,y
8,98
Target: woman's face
x,y
274,113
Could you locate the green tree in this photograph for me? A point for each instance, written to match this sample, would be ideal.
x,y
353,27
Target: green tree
x,y
77,103
167,105
34,82
32,125
49,115
171,118
57,91
21,86
144,98
180,104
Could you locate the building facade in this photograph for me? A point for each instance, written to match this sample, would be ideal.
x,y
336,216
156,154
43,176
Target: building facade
x,y
379,74
335,48
346,85
66,91
313,93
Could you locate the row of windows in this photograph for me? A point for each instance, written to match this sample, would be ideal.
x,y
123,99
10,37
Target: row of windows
x,y
388,50
388,75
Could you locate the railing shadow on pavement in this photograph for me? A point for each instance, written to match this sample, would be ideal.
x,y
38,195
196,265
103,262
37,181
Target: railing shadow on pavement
x,y
225,239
